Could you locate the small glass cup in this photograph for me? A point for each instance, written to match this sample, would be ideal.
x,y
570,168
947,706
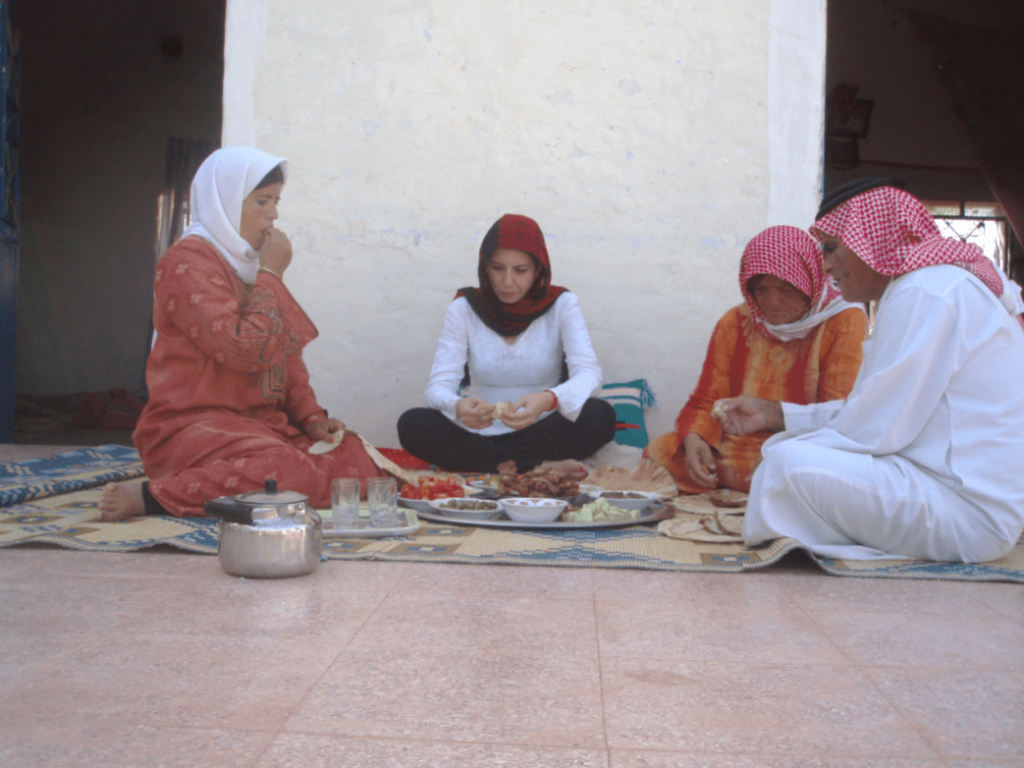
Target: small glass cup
x,y
345,502
382,493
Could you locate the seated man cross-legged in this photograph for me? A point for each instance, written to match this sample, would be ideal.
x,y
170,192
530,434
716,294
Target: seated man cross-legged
x,y
922,459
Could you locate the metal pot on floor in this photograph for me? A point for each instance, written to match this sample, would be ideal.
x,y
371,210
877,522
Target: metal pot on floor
x,y
268,534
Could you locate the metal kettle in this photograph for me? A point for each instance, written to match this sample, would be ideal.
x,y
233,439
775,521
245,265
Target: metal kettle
x,y
267,534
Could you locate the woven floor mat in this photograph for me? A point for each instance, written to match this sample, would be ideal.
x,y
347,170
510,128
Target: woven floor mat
x,y
85,468
67,520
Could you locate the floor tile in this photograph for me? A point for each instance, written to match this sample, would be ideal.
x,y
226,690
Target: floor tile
x,y
713,631
649,759
46,742
710,588
157,563
1005,599
751,708
359,576
908,639
466,694
48,603
963,713
307,608
497,581
144,745
311,751
910,596
487,625
177,680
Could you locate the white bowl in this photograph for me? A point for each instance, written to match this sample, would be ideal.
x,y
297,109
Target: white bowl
x,y
467,514
533,509
641,504
420,505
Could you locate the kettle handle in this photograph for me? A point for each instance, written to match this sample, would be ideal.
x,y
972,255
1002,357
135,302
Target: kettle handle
x,y
229,510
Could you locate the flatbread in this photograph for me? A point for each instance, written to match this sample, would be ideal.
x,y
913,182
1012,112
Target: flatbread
x,y
383,462
503,407
718,410
648,476
727,497
326,446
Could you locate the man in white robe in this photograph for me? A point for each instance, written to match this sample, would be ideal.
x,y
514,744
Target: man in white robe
x,y
924,458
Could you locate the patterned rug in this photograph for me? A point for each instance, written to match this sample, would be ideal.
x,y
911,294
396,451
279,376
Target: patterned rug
x,y
67,520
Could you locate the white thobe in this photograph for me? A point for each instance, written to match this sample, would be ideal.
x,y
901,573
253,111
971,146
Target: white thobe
x,y
923,459
500,371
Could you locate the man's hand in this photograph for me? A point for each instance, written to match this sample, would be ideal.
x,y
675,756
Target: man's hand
x,y
746,413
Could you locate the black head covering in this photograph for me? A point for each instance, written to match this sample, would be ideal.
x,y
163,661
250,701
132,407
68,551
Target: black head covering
x,y
844,192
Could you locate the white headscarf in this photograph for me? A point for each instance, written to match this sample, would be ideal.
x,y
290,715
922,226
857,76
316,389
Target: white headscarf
x,y
220,187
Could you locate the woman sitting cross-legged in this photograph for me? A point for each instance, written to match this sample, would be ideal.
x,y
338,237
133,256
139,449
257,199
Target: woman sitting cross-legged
x,y
230,402
531,366
792,339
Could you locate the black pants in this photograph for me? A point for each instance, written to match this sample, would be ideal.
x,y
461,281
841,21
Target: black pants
x,y
427,434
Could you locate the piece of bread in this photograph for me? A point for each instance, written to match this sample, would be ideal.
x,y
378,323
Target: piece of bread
x,y
325,446
718,410
502,407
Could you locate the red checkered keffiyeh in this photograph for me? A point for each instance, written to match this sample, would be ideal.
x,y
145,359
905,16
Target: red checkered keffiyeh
x,y
894,234
789,254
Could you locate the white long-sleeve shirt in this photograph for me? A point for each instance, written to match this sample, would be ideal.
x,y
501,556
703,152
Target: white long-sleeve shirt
x,y
942,384
501,371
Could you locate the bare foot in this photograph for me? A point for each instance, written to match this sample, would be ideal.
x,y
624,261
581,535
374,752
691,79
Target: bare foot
x,y
119,502
569,466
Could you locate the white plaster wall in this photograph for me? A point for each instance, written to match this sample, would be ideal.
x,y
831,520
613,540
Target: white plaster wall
x,y
637,134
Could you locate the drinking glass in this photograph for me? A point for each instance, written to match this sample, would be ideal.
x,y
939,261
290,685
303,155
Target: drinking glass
x,y
345,502
382,493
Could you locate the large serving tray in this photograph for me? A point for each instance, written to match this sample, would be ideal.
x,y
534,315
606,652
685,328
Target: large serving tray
x,y
652,514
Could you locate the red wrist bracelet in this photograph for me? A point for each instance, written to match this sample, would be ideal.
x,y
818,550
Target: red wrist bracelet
x,y
554,403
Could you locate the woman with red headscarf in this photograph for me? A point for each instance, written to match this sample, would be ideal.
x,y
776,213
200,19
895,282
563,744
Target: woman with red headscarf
x,y
923,459
532,371
792,339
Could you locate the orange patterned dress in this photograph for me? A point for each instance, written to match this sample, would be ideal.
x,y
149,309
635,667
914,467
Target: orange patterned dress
x,y
740,360
229,394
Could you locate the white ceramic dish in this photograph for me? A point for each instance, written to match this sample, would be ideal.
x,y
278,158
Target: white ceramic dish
x,y
420,505
641,504
466,514
533,509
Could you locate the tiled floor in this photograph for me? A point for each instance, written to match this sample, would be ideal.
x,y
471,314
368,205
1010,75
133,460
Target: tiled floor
x,y
160,659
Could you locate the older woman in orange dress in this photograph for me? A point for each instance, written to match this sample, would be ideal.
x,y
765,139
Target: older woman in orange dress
x,y
793,337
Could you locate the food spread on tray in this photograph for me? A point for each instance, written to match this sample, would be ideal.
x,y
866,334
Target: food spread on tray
x,y
539,481
431,487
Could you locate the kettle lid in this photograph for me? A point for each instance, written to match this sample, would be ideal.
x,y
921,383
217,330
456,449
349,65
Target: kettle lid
x,y
270,495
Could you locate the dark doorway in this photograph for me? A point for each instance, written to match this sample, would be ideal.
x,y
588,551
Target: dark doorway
x,y
105,84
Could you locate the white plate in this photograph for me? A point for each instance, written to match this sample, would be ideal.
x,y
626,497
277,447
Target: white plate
x,y
641,504
420,505
465,514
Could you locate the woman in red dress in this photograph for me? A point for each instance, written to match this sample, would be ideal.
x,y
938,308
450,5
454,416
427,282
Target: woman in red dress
x,y
230,402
